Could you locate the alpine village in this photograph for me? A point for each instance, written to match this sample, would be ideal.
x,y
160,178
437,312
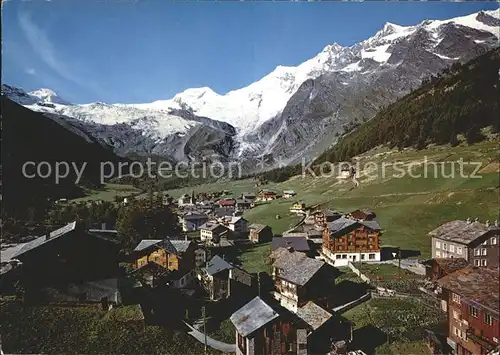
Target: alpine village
x,y
273,262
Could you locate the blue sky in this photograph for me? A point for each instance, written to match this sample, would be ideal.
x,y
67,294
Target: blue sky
x,y
130,52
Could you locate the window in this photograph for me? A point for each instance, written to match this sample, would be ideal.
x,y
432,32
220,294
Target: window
x,y
473,311
344,256
338,256
444,246
455,298
371,256
493,240
460,333
477,252
362,256
483,262
340,247
476,262
438,244
452,248
438,254
488,319
456,315
485,242
459,250
484,251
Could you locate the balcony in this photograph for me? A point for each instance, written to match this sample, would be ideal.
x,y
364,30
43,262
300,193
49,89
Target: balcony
x,y
485,343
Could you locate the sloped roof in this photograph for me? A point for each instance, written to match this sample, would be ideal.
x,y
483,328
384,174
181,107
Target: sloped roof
x,y
449,265
257,227
7,253
173,246
43,240
213,226
372,224
192,215
181,245
343,223
313,315
146,243
297,243
462,232
216,265
296,267
340,224
478,284
252,316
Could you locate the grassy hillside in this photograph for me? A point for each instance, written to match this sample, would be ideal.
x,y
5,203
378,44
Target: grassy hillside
x,y
461,100
407,208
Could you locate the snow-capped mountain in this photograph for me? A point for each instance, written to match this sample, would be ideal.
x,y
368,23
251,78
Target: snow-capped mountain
x,y
297,109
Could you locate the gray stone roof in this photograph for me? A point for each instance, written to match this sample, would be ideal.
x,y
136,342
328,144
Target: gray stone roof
x,y
297,243
173,246
216,265
252,316
181,245
213,226
146,243
257,227
462,232
478,284
43,240
194,215
296,267
313,315
342,223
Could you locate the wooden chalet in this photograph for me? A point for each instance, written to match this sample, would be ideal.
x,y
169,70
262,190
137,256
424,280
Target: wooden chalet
x,y
259,233
299,279
264,327
348,240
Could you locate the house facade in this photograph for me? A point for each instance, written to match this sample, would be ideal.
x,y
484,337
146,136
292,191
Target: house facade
x,y
471,299
298,208
238,225
299,279
191,221
267,195
264,328
347,240
289,193
176,256
259,233
212,232
322,217
476,242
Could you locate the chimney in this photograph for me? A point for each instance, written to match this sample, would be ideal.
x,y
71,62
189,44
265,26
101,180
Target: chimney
x,y
186,238
47,236
487,223
468,220
476,220
496,223
103,226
